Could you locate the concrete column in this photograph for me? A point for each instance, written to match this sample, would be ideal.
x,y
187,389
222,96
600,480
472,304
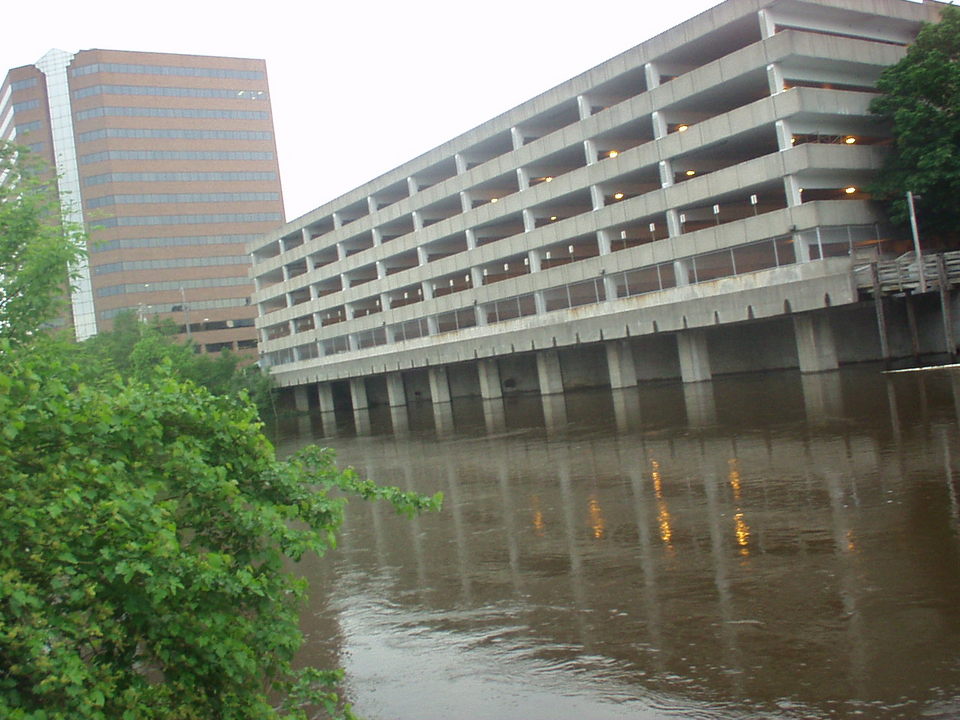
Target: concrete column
x,y
300,399
603,242
471,239
529,221
325,393
533,260
439,385
666,173
700,404
395,392
583,106
548,372
489,374
523,178
590,150
784,135
305,234
358,394
816,347
461,163
767,24
681,271
372,204
596,197
623,372
792,188
659,125
694,356
651,75
775,78
466,204
540,305
516,135
337,222
377,237
417,220
822,396
413,187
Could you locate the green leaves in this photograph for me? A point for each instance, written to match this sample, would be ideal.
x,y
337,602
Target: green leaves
x,y
144,530
921,102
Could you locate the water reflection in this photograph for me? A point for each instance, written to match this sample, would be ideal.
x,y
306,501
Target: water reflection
x,y
789,551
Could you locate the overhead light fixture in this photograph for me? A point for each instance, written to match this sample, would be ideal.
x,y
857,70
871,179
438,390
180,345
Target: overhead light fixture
x,y
691,173
548,178
618,196
850,190
493,200
613,153
850,140
682,128
553,217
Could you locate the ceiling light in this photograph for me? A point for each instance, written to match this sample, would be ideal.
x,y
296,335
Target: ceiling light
x,y
850,140
850,190
691,173
612,153
553,217
548,179
493,200
682,128
618,196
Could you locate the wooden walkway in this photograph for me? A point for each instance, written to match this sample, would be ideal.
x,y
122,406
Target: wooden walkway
x,y
902,275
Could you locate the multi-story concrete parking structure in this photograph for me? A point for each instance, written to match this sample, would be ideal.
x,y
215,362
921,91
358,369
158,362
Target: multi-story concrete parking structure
x,y
170,162
689,207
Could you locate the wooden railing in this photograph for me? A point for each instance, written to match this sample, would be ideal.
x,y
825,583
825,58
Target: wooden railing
x,y
903,275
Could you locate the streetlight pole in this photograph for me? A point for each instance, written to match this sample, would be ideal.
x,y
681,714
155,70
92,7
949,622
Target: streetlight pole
x,y
916,242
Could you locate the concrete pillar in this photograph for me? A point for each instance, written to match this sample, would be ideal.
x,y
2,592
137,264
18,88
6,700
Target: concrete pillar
x,y
792,188
300,400
651,75
412,185
596,197
583,106
816,347
784,135
768,26
665,167
822,396
371,204
461,163
529,221
533,260
377,236
775,78
466,203
590,150
417,222
395,392
694,356
700,404
471,239
443,419
325,393
489,374
494,415
548,372
516,136
439,385
623,372
358,394
523,178
603,242
659,124
399,421
337,221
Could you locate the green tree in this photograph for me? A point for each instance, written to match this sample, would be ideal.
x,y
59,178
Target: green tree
x,y
147,530
37,250
921,102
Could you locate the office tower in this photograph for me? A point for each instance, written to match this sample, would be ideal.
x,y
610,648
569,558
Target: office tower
x,y
170,162
692,206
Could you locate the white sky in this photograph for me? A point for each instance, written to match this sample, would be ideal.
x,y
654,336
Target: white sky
x,y
360,86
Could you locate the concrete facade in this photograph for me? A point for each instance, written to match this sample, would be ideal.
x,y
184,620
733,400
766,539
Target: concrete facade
x,y
170,162
614,228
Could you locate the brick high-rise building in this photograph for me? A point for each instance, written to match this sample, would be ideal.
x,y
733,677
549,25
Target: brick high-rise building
x,y
170,162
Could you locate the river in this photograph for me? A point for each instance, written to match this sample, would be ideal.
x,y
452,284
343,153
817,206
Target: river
x,y
762,546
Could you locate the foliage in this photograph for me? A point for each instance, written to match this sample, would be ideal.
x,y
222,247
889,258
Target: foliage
x,y
921,101
144,529
36,249
134,349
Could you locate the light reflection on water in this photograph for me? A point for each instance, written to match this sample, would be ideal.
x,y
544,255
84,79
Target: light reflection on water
x,y
763,546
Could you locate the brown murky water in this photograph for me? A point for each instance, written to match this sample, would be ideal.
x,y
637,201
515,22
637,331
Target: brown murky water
x,y
770,546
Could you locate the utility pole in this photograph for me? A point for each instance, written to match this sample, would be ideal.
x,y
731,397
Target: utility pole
x,y
916,242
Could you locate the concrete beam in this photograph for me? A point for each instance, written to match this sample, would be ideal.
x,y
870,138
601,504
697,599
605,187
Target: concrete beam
x,y
694,356
548,372
816,348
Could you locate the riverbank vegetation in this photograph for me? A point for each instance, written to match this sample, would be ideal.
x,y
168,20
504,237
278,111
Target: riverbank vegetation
x,y
146,527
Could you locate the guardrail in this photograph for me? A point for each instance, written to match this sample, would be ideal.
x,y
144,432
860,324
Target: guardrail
x,y
903,275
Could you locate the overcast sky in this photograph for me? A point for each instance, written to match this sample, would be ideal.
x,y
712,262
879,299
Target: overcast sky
x,y
360,86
